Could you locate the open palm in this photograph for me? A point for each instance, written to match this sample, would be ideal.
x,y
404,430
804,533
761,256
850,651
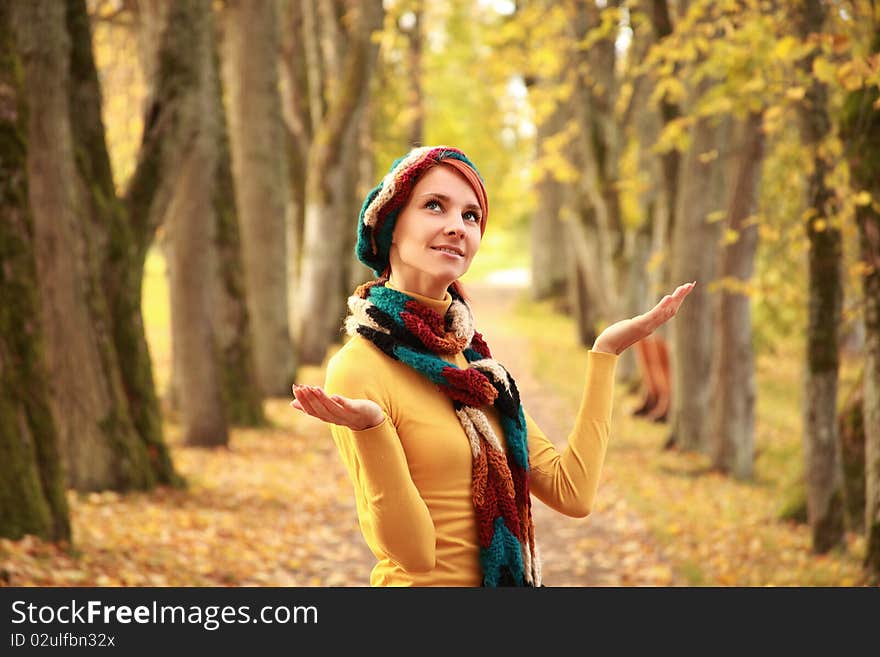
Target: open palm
x,y
356,414
627,332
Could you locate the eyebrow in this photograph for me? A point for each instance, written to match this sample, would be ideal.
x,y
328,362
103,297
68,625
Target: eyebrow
x,y
444,197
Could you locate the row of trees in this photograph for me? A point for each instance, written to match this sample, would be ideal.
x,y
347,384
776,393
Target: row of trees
x,y
668,137
243,200
666,129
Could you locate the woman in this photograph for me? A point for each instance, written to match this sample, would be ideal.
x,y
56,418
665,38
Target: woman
x,y
441,453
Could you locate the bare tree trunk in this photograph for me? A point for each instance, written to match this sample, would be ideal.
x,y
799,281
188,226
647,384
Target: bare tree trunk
x,y
349,206
821,446
632,262
259,168
732,439
242,396
32,490
298,137
192,227
869,230
151,18
661,21
99,444
187,88
366,178
549,264
321,277
417,101
861,130
584,296
294,230
111,232
597,142
636,292
851,431
694,258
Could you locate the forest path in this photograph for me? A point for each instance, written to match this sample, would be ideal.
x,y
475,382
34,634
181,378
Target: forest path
x,y
610,547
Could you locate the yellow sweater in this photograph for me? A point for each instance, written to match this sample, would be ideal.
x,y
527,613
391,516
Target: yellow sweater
x,y
412,473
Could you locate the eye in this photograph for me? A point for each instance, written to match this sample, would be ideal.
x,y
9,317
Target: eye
x,y
431,202
473,216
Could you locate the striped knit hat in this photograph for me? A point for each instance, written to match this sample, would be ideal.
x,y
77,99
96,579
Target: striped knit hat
x,y
385,201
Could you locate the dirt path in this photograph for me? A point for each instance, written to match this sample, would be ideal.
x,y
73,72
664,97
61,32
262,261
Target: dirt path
x,y
611,547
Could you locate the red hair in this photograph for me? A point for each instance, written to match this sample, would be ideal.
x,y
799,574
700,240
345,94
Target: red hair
x,y
476,184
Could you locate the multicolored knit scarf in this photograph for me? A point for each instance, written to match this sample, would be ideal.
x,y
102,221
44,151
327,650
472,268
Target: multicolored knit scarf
x,y
418,336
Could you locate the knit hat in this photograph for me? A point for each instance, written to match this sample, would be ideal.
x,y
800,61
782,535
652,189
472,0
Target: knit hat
x,y
385,201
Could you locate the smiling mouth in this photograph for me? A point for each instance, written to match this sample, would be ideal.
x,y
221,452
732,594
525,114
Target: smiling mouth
x,y
452,252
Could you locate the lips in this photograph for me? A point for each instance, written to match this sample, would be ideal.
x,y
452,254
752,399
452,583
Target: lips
x,y
449,249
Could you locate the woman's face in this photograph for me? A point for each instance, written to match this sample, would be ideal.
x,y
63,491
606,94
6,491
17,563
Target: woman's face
x,y
437,233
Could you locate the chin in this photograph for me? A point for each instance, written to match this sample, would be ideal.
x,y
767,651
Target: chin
x,y
451,274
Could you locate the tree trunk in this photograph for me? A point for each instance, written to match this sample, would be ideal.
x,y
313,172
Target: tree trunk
x,y
294,229
869,229
191,224
321,278
861,130
259,168
549,265
32,491
851,431
694,257
298,122
242,396
350,205
597,141
635,293
111,232
661,21
732,439
646,280
417,101
99,444
152,16
821,447
583,295
366,178
187,88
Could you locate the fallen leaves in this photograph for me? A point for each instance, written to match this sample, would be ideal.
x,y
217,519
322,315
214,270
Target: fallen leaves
x,y
275,509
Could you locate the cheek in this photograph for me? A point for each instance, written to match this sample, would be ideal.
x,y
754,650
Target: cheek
x,y
474,244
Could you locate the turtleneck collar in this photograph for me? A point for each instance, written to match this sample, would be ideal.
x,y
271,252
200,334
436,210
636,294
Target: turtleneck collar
x,y
437,305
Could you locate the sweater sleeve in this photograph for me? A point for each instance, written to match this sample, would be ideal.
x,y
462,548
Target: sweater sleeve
x,y
567,482
394,518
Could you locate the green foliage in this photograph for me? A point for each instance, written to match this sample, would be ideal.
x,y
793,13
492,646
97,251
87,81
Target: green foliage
x,y
467,100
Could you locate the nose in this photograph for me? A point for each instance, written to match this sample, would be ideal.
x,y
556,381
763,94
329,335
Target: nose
x,y
455,226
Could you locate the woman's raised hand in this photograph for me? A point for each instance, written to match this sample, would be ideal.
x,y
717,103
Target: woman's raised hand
x,y
356,414
627,332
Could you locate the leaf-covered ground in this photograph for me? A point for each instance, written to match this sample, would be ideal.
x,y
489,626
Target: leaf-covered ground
x,y
276,508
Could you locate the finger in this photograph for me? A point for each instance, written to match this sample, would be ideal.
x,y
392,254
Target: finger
x,y
325,408
308,404
298,396
683,290
331,409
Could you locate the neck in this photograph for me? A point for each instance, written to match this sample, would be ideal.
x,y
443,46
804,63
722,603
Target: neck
x,y
432,289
